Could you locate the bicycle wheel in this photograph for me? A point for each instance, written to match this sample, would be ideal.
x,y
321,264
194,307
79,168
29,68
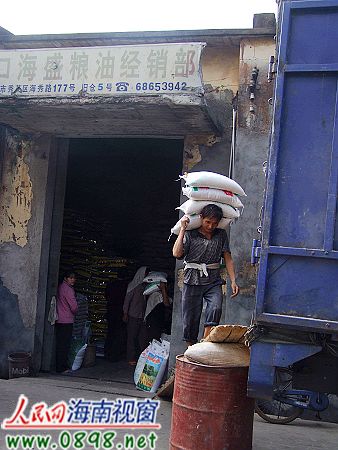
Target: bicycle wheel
x,y
274,411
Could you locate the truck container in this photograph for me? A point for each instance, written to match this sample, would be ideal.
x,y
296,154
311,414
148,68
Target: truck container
x,y
296,312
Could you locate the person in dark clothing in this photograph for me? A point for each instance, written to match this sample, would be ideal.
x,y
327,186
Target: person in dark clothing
x,y
133,314
116,339
202,250
158,311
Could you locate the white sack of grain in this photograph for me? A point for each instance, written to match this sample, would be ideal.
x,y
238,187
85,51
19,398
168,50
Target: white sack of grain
x,y
196,222
155,277
151,288
196,206
212,180
221,355
212,195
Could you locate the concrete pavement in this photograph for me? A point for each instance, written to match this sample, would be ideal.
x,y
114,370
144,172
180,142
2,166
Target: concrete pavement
x,y
300,435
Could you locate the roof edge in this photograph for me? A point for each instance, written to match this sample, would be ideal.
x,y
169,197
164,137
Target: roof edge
x,y
140,35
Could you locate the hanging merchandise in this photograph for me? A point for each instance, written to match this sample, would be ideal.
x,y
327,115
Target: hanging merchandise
x,y
52,315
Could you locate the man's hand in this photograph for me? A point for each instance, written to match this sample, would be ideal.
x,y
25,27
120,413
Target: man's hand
x,y
125,318
235,289
178,249
184,222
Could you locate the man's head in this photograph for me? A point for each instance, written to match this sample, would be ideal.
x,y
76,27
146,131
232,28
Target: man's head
x,y
211,216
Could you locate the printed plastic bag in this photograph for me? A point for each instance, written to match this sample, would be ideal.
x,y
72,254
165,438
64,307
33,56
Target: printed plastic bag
x,y
140,364
154,367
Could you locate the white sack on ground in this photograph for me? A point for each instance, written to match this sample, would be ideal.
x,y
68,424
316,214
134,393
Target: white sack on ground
x,y
196,222
212,180
212,195
79,358
196,206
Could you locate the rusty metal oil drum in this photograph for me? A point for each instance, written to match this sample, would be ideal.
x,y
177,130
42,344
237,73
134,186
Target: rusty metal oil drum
x,y
210,408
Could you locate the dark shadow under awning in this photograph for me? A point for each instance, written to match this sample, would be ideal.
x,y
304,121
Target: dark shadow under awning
x,y
89,116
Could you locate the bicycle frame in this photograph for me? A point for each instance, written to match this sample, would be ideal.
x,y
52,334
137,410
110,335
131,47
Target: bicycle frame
x,y
304,399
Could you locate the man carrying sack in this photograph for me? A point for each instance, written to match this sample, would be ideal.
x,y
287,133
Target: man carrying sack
x,y
202,250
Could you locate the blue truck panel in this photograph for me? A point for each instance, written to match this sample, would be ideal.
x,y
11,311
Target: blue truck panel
x,y
297,287
299,258
304,161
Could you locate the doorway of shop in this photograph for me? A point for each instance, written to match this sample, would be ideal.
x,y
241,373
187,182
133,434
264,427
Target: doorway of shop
x,y
119,206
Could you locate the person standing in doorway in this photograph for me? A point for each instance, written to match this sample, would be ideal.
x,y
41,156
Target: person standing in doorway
x,y
66,307
157,311
116,339
133,314
202,250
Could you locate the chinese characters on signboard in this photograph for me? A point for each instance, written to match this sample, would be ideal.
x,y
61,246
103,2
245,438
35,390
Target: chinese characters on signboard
x,y
142,69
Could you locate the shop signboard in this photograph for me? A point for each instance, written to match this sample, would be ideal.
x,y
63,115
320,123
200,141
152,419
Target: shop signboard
x,y
150,69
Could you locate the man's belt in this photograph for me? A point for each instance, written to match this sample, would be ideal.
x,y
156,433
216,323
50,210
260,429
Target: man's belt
x,y
202,267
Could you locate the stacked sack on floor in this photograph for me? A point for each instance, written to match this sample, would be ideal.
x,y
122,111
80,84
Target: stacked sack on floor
x,y
205,188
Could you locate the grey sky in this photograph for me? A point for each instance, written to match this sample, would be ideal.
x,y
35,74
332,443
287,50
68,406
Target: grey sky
x,y
74,16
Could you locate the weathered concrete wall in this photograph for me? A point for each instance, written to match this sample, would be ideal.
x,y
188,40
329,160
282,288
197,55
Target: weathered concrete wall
x,y
16,197
255,53
220,67
24,180
220,81
251,152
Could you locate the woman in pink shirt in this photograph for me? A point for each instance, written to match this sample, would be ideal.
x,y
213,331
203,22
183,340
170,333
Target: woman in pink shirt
x,y
66,307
